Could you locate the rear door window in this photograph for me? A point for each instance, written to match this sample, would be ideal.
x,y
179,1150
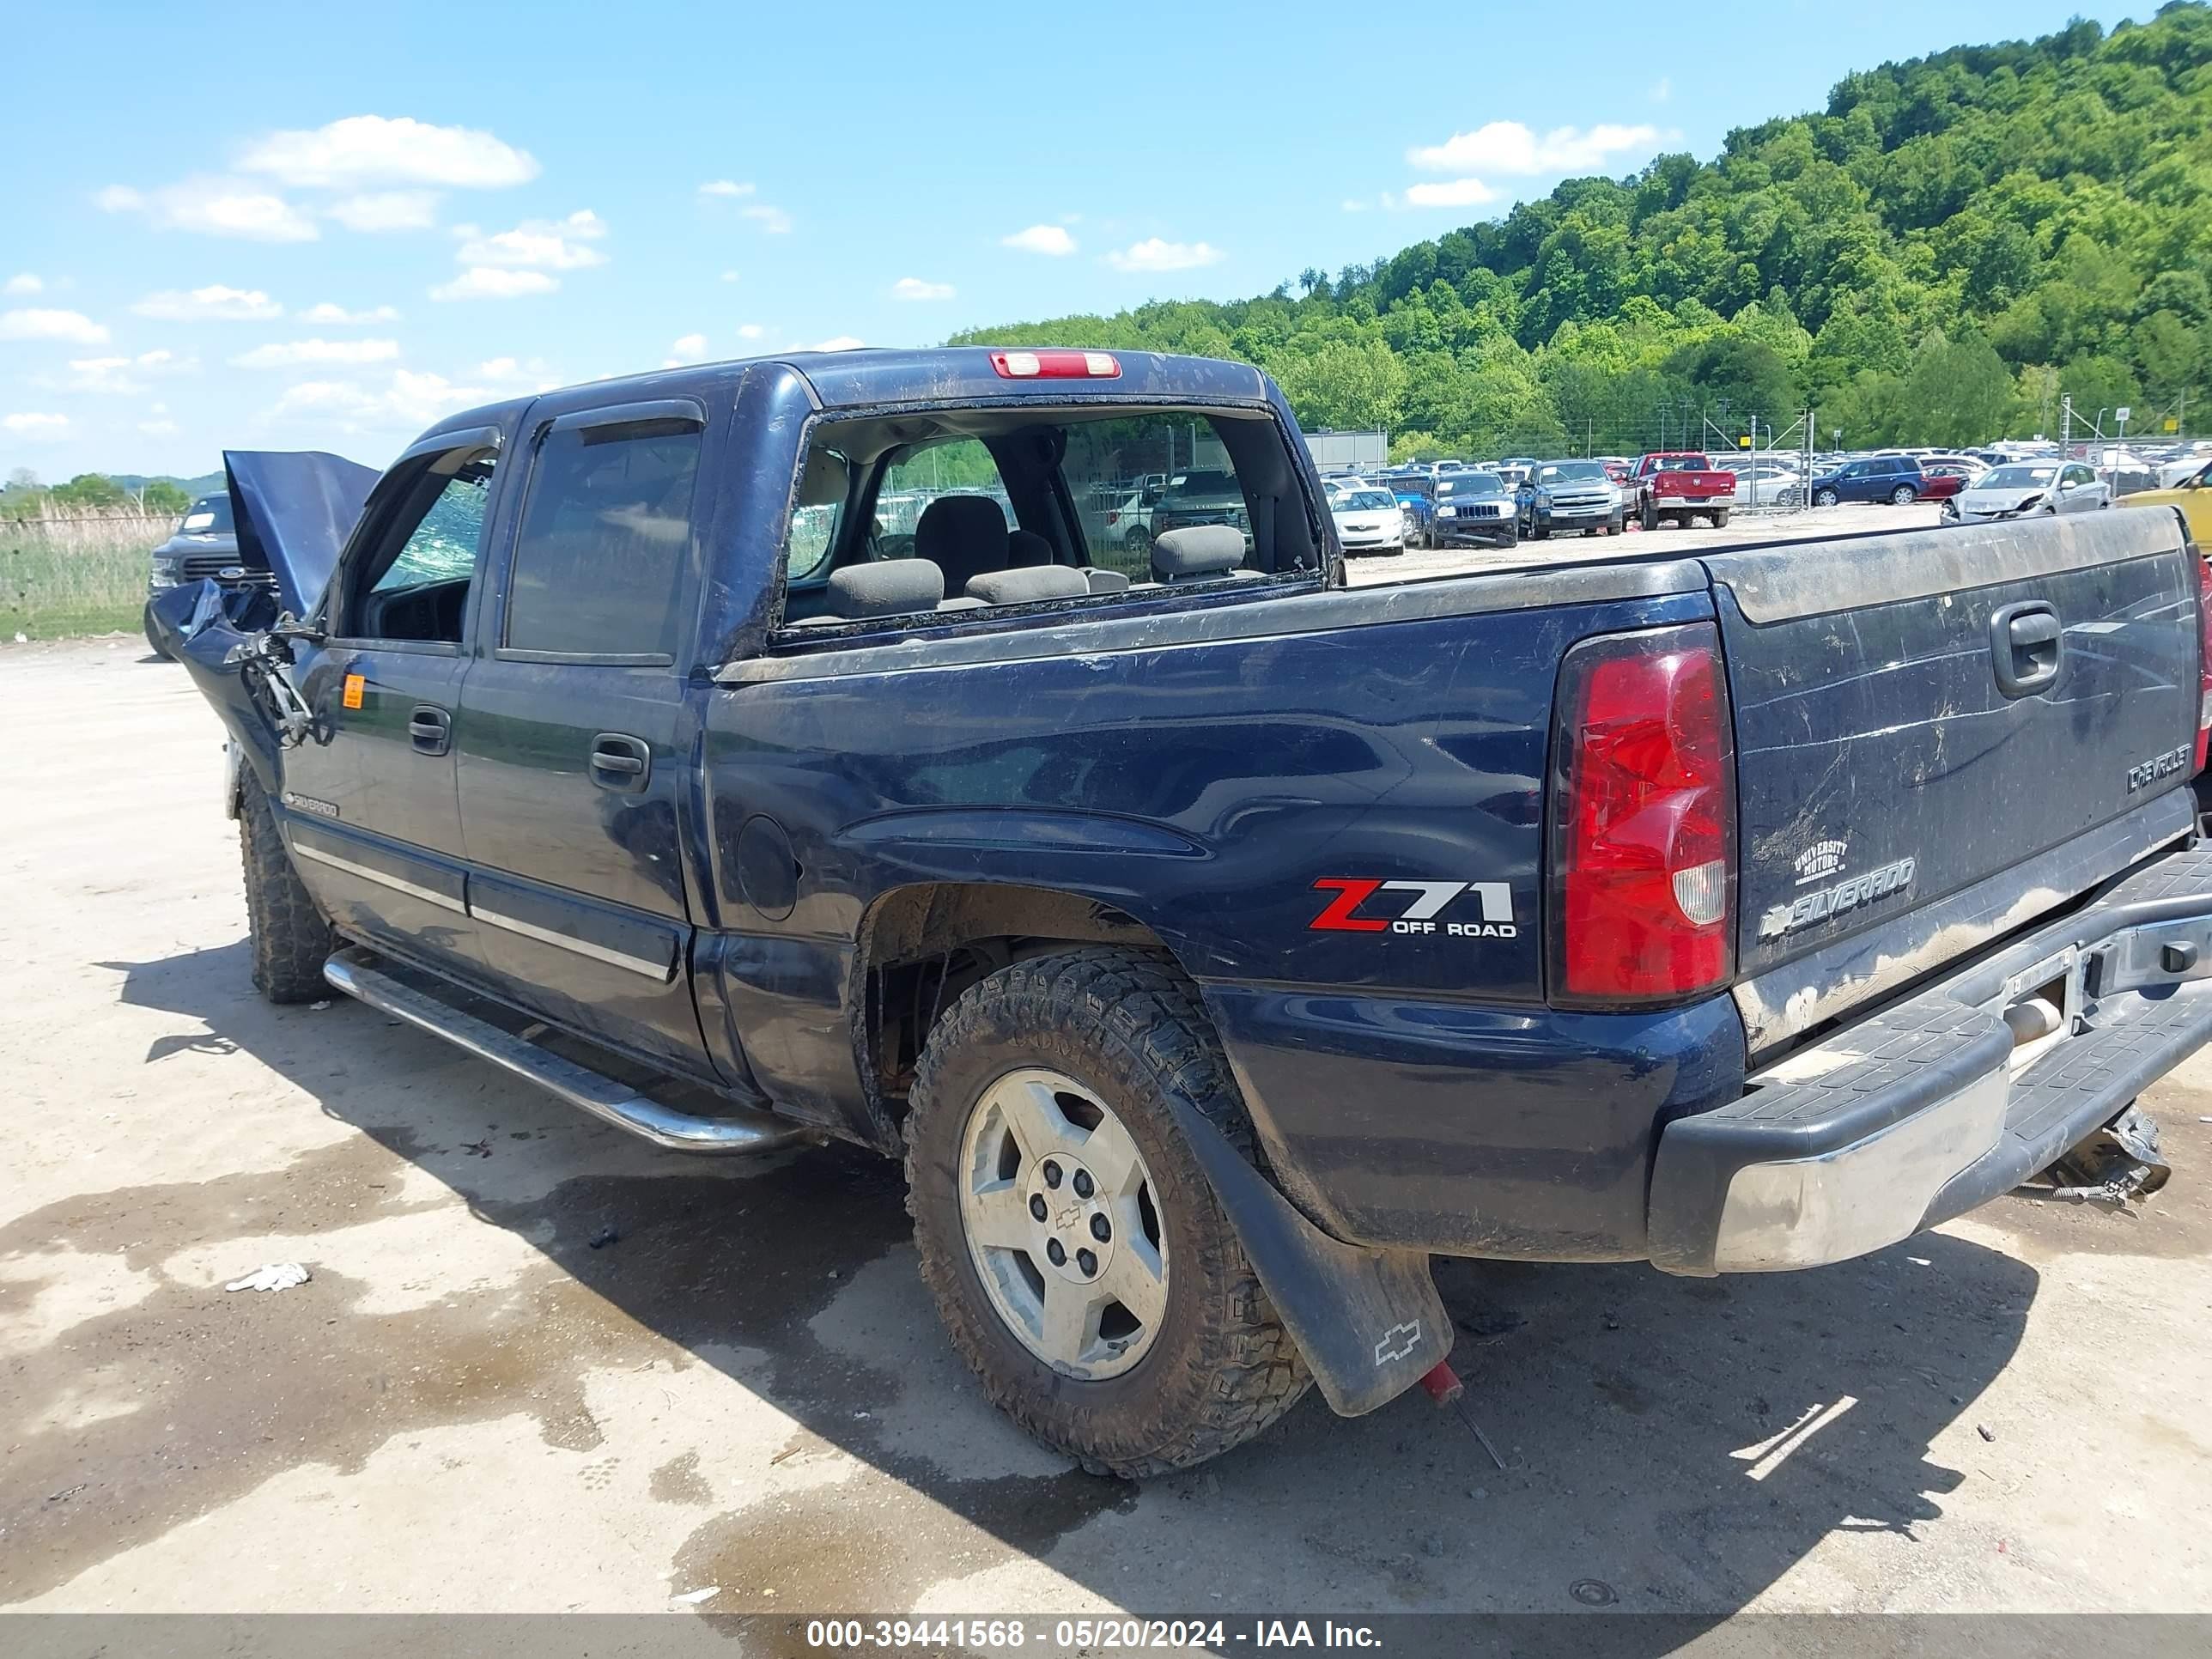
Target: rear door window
x,y
600,565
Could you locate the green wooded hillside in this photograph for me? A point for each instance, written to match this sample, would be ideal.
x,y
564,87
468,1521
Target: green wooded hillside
x,y
1950,245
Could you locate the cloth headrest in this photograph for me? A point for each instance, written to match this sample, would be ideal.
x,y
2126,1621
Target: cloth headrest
x,y
889,587
1032,582
1199,550
1026,547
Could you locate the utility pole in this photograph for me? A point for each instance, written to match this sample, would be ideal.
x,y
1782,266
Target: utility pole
x,y
2065,420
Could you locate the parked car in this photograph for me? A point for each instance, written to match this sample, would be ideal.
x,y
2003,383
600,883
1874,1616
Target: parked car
x,y
203,548
1128,522
1416,492
1368,520
2028,487
1766,484
1896,479
1944,480
1675,486
1567,495
2192,495
1211,950
1475,506
1190,499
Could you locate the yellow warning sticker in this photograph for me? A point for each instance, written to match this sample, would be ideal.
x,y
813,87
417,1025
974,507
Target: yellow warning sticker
x,y
355,684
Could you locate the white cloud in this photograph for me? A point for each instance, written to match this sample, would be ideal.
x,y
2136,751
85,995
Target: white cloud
x,y
327,313
687,349
773,219
751,331
1353,204
213,303
363,149
913,287
836,342
1041,238
1661,90
1156,254
22,282
35,426
163,427
387,209
537,244
292,354
1454,193
411,400
725,187
120,374
490,282
514,372
215,206
729,275
71,325
1510,147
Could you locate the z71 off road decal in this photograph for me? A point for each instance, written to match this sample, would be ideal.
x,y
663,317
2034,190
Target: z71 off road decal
x,y
1341,915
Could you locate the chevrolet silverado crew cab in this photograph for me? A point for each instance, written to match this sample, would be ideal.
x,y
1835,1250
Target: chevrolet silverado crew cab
x,y
1215,944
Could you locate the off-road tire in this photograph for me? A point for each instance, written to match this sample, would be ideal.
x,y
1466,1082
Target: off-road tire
x,y
290,938
1127,1025
1720,519
1650,514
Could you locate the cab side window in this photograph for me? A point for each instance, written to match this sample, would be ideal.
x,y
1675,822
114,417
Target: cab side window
x,y
414,584
605,545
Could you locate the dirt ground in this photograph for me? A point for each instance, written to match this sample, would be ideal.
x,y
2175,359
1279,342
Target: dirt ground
x,y
541,1367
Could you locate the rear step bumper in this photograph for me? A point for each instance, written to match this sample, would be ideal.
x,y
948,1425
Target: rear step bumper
x,y
354,973
1923,1111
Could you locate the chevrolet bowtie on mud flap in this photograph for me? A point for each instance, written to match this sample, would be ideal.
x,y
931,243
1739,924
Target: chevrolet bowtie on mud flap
x,y
1214,944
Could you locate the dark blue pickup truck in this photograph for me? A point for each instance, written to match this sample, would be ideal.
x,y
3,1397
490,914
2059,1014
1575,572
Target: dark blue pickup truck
x,y
1215,944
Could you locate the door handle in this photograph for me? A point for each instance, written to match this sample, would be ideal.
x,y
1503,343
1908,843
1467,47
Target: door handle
x,y
430,729
2027,644
620,762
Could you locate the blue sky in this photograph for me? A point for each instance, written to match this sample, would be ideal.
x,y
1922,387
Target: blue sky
x,y
324,227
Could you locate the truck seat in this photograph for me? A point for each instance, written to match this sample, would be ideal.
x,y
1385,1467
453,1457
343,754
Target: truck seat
x,y
964,536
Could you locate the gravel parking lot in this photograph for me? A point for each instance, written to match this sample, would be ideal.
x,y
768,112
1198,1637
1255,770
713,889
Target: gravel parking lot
x,y
541,1367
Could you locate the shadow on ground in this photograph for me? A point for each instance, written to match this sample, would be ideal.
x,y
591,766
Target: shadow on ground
x,y
1669,1444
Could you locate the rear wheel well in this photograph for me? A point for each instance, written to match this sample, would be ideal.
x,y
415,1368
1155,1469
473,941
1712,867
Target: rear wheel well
x,y
919,947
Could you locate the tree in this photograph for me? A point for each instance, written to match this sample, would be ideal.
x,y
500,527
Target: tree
x,y
22,479
1956,393
162,496
1342,385
94,490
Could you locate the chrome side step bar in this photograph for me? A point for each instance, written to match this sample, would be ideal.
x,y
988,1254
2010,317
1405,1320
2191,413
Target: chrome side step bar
x,y
353,973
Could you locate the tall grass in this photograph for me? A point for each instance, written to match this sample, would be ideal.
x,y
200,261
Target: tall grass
x,y
63,577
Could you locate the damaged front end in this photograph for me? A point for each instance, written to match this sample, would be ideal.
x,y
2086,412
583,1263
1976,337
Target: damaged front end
x,y
294,511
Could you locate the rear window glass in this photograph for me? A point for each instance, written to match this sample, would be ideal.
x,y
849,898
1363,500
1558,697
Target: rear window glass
x,y
1006,494
605,543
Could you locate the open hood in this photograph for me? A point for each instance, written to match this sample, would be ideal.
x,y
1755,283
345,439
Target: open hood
x,y
294,510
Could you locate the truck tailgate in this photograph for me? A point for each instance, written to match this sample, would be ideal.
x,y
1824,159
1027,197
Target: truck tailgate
x,y
1917,713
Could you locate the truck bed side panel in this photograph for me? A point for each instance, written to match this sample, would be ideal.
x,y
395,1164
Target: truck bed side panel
x,y
1202,788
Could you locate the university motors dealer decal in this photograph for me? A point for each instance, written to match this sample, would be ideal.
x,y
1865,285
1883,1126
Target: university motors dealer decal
x,y
1479,909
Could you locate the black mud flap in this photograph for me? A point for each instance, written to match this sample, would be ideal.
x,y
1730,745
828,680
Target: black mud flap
x,y
1369,1322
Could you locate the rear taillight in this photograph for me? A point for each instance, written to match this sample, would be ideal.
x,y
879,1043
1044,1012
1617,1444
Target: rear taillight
x,y
1643,834
1056,365
2204,659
